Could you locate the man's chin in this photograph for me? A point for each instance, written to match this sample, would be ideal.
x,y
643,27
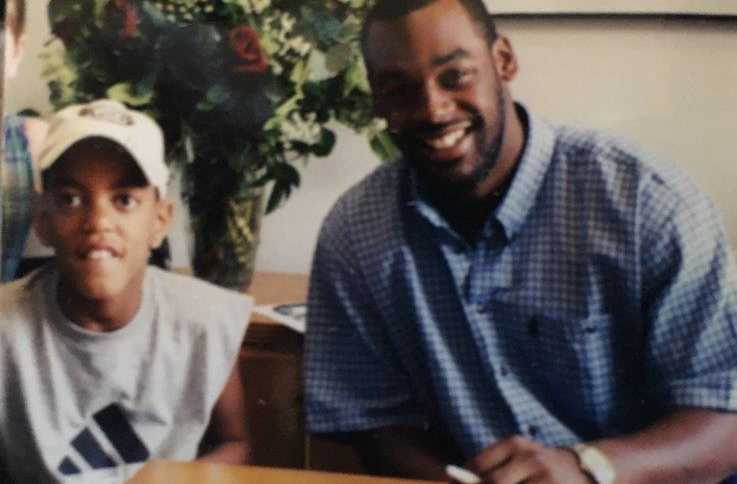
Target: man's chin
x,y
463,173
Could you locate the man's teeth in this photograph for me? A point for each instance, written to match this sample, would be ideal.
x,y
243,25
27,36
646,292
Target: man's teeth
x,y
100,254
447,140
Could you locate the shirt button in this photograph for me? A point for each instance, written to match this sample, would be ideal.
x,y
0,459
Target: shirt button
x,y
503,371
533,430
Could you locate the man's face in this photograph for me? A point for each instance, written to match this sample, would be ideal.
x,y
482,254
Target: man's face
x,y
435,80
102,218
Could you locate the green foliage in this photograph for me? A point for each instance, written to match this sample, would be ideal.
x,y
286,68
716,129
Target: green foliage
x,y
243,89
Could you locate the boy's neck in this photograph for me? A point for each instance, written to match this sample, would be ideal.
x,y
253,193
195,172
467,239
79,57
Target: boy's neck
x,y
99,315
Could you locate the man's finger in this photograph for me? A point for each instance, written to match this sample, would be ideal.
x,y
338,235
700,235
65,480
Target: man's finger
x,y
522,467
498,453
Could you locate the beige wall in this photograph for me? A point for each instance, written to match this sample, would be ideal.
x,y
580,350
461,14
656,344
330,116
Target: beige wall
x,y
669,84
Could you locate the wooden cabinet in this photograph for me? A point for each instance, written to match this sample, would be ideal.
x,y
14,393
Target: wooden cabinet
x,y
271,364
271,367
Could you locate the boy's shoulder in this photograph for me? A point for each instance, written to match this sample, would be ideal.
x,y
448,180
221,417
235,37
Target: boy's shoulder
x,y
17,295
195,300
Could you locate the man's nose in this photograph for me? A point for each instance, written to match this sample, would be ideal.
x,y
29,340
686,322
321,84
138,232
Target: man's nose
x,y
434,103
99,216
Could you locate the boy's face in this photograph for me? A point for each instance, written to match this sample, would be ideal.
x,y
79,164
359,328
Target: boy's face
x,y
102,219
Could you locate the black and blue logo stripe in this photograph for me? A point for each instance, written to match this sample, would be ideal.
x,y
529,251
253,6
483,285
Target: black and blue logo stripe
x,y
118,430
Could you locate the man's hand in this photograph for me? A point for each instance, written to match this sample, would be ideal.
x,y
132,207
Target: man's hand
x,y
517,459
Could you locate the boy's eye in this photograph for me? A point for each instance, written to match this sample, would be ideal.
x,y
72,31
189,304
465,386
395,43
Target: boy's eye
x,y
127,201
67,200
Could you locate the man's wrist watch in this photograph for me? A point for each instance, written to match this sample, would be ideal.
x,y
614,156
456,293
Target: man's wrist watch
x,y
595,464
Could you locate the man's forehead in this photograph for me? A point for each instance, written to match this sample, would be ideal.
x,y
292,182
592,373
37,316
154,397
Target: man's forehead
x,y
429,35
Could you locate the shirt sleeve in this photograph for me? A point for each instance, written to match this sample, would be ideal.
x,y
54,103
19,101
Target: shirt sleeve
x,y
352,379
690,301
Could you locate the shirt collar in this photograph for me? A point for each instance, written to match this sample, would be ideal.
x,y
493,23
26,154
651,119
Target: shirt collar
x,y
531,169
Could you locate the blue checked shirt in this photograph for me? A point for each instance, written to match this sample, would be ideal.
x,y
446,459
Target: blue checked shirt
x,y
16,192
600,296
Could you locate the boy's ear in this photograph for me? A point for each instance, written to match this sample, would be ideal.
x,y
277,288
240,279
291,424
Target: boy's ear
x,y
41,224
162,222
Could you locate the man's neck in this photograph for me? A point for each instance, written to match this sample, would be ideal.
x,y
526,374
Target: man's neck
x,y
468,211
101,315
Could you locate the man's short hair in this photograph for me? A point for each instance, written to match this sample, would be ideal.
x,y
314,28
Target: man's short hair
x,y
389,9
14,16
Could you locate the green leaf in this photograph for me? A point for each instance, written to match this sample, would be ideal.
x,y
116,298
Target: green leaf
x,y
155,15
286,178
145,87
350,31
215,96
338,57
326,27
299,73
125,93
382,145
318,67
99,7
356,77
326,143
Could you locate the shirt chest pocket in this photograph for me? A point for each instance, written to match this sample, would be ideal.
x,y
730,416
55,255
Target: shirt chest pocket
x,y
567,360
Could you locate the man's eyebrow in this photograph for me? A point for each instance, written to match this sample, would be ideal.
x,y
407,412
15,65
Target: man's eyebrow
x,y
444,59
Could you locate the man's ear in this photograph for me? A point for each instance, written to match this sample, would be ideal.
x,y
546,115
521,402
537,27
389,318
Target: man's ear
x,y
505,60
162,222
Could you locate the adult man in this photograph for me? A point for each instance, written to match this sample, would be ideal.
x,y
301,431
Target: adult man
x,y
515,287
23,136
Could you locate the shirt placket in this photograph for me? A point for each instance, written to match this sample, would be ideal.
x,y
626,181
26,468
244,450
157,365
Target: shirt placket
x,y
490,271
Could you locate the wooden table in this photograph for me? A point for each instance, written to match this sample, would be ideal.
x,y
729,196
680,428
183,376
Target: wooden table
x,y
157,472
277,288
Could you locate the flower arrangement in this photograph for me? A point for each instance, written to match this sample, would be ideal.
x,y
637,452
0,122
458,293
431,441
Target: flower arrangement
x,y
244,89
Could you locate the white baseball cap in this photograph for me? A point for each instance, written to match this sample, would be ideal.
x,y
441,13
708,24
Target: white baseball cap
x,y
135,132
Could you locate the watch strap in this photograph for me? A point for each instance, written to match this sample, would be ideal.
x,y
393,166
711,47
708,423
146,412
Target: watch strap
x,y
595,464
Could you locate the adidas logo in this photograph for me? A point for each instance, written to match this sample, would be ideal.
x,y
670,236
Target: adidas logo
x,y
114,426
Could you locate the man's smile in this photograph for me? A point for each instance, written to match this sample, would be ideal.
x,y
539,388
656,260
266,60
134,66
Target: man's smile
x,y
443,143
448,137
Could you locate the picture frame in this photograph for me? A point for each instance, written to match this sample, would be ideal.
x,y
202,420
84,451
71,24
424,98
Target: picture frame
x,y
711,8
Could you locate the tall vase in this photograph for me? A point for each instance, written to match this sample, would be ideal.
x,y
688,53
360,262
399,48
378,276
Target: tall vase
x,y
225,253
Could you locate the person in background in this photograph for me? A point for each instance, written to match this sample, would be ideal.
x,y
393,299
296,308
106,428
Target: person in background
x,y
23,138
107,362
539,303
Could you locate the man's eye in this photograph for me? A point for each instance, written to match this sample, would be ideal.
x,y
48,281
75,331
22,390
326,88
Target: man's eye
x,y
66,200
126,201
456,78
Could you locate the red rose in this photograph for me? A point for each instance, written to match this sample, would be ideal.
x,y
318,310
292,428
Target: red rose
x,y
247,49
126,15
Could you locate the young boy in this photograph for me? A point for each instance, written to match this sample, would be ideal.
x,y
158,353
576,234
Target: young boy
x,y
106,362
